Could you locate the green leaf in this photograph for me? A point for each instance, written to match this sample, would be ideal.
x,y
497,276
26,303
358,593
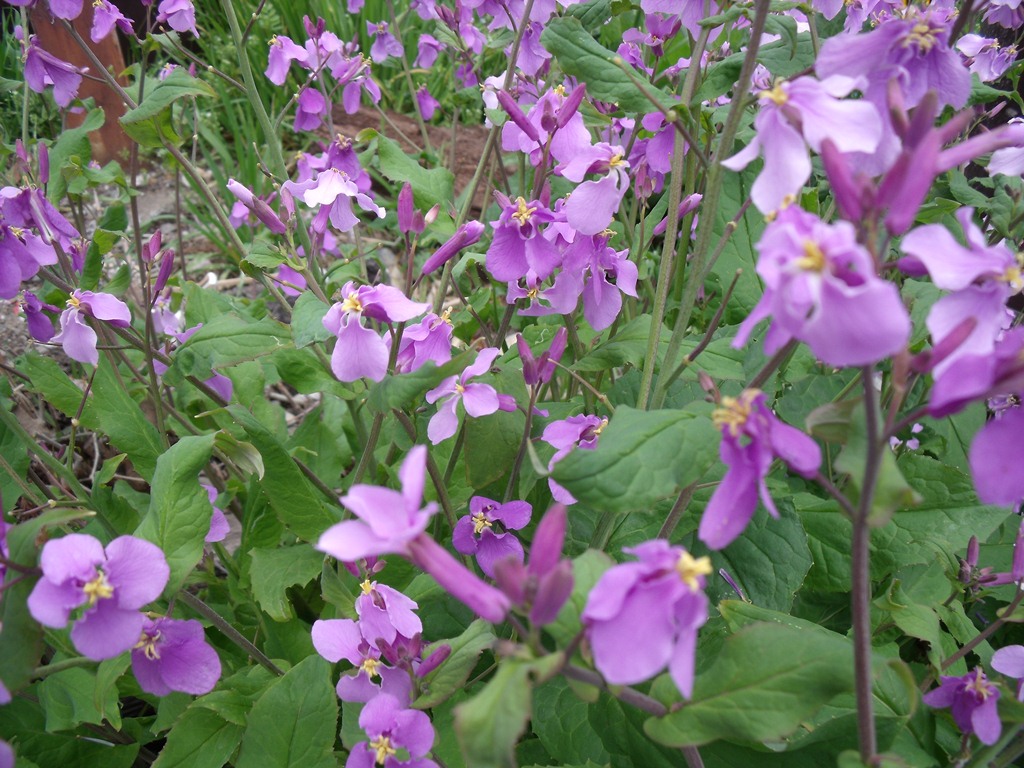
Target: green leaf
x,y
739,251
627,347
489,724
492,443
581,56
592,15
274,570
915,620
562,723
180,511
236,694
307,321
123,421
787,57
721,77
429,187
72,143
69,699
764,682
50,380
15,452
228,340
454,671
295,722
586,570
150,122
199,739
642,456
294,500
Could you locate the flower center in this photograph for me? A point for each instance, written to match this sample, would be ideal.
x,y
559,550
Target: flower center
x,y
367,587
532,293
459,388
274,41
98,589
74,302
813,259
559,89
979,685
616,161
369,666
690,568
352,303
734,412
18,232
479,523
148,645
922,35
523,211
382,746
776,95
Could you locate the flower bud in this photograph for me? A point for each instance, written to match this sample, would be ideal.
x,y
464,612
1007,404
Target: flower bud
x,y
405,209
516,115
571,104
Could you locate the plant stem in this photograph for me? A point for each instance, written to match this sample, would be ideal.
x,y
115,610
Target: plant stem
x,y
229,631
59,666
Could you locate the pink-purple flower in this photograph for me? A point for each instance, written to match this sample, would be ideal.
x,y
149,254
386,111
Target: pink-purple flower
x,y
972,699
486,531
173,655
643,616
394,734
752,438
109,585
77,338
478,399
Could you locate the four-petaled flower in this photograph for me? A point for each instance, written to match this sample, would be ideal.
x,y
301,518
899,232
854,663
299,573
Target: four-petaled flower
x,y
973,701
173,655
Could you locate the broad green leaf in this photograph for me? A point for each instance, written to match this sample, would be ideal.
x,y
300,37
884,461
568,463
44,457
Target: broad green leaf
x,y
739,251
641,457
562,723
123,421
627,347
236,694
294,723
581,56
489,724
770,560
304,370
429,187
720,78
109,231
274,570
307,321
621,728
199,739
72,143
915,620
453,672
787,57
150,122
592,15
227,340
297,504
15,452
180,511
492,443
765,681
50,380
69,698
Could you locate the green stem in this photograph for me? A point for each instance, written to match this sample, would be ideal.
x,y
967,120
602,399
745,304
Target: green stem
x,y
227,630
59,666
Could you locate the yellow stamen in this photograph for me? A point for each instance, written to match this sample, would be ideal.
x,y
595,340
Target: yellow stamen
x,y
367,587
446,316
273,41
1012,277
351,303
616,161
523,211
776,95
813,259
369,666
733,412
74,302
148,645
559,89
479,523
690,568
383,748
532,293
923,35
600,427
459,388
979,685
18,232
98,589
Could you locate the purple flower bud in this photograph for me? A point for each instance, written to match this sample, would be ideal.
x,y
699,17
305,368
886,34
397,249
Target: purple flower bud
x,y
405,209
571,104
546,550
1017,569
688,205
465,236
44,163
166,267
434,660
516,114
461,583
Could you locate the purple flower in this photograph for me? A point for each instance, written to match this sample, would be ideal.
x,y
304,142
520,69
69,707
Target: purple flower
x,y
478,399
539,370
428,340
384,44
384,613
179,15
821,288
593,204
43,69
110,586
518,244
104,16
283,51
39,325
426,103
579,431
333,190
645,615
388,519
485,531
258,206
337,639
77,338
985,57
973,701
360,351
1009,661
429,47
219,526
6,755
22,253
752,437
391,728
173,655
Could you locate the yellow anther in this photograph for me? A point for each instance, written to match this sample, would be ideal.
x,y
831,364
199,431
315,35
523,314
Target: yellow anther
x,y
18,232
446,316
148,645
1012,277
616,161
776,95
275,41
98,589
369,666
600,427
979,685
383,748
733,412
813,259
923,35
351,304
479,523
559,89
690,568
459,388
523,211
532,293
367,587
